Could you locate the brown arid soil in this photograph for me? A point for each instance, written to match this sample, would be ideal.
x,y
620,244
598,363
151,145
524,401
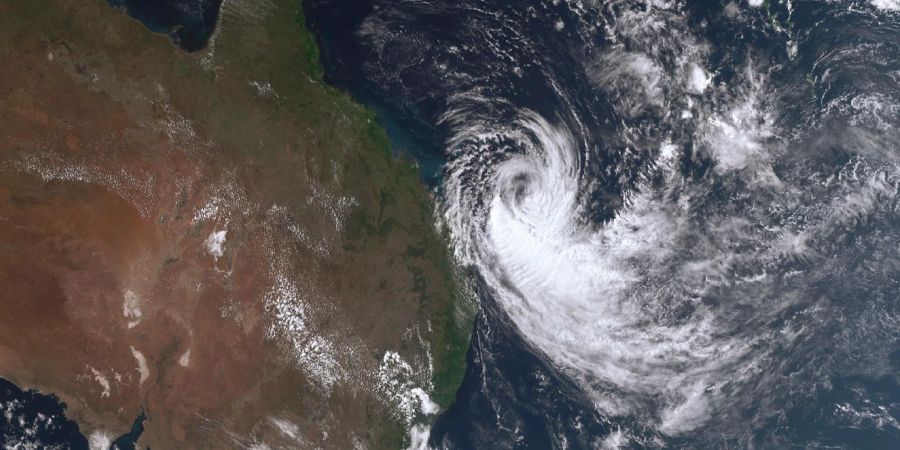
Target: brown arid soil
x,y
218,238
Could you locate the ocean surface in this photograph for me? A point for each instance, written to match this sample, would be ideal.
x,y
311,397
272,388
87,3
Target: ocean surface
x,y
189,23
31,418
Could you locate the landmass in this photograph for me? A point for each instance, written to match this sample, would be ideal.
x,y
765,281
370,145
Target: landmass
x,y
218,239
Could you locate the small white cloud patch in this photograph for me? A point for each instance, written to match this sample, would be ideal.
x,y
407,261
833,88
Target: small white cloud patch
x,y
215,244
418,437
99,440
397,388
887,5
286,427
131,308
687,415
614,441
185,359
667,151
426,405
698,79
104,382
736,138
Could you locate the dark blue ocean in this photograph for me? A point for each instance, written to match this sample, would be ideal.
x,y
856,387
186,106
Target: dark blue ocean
x,y
31,419
189,23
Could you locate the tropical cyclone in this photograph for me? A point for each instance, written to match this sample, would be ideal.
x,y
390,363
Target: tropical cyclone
x,y
218,237
682,301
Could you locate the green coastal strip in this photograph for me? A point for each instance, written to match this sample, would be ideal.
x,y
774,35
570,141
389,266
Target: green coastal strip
x,y
448,307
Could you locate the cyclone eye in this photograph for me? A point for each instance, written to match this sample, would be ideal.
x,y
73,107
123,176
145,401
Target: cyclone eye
x,y
520,186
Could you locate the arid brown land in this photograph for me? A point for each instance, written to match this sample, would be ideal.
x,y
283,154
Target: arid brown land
x,y
217,237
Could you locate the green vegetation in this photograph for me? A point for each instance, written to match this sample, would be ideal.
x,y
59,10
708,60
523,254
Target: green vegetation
x,y
448,308
393,200
308,48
